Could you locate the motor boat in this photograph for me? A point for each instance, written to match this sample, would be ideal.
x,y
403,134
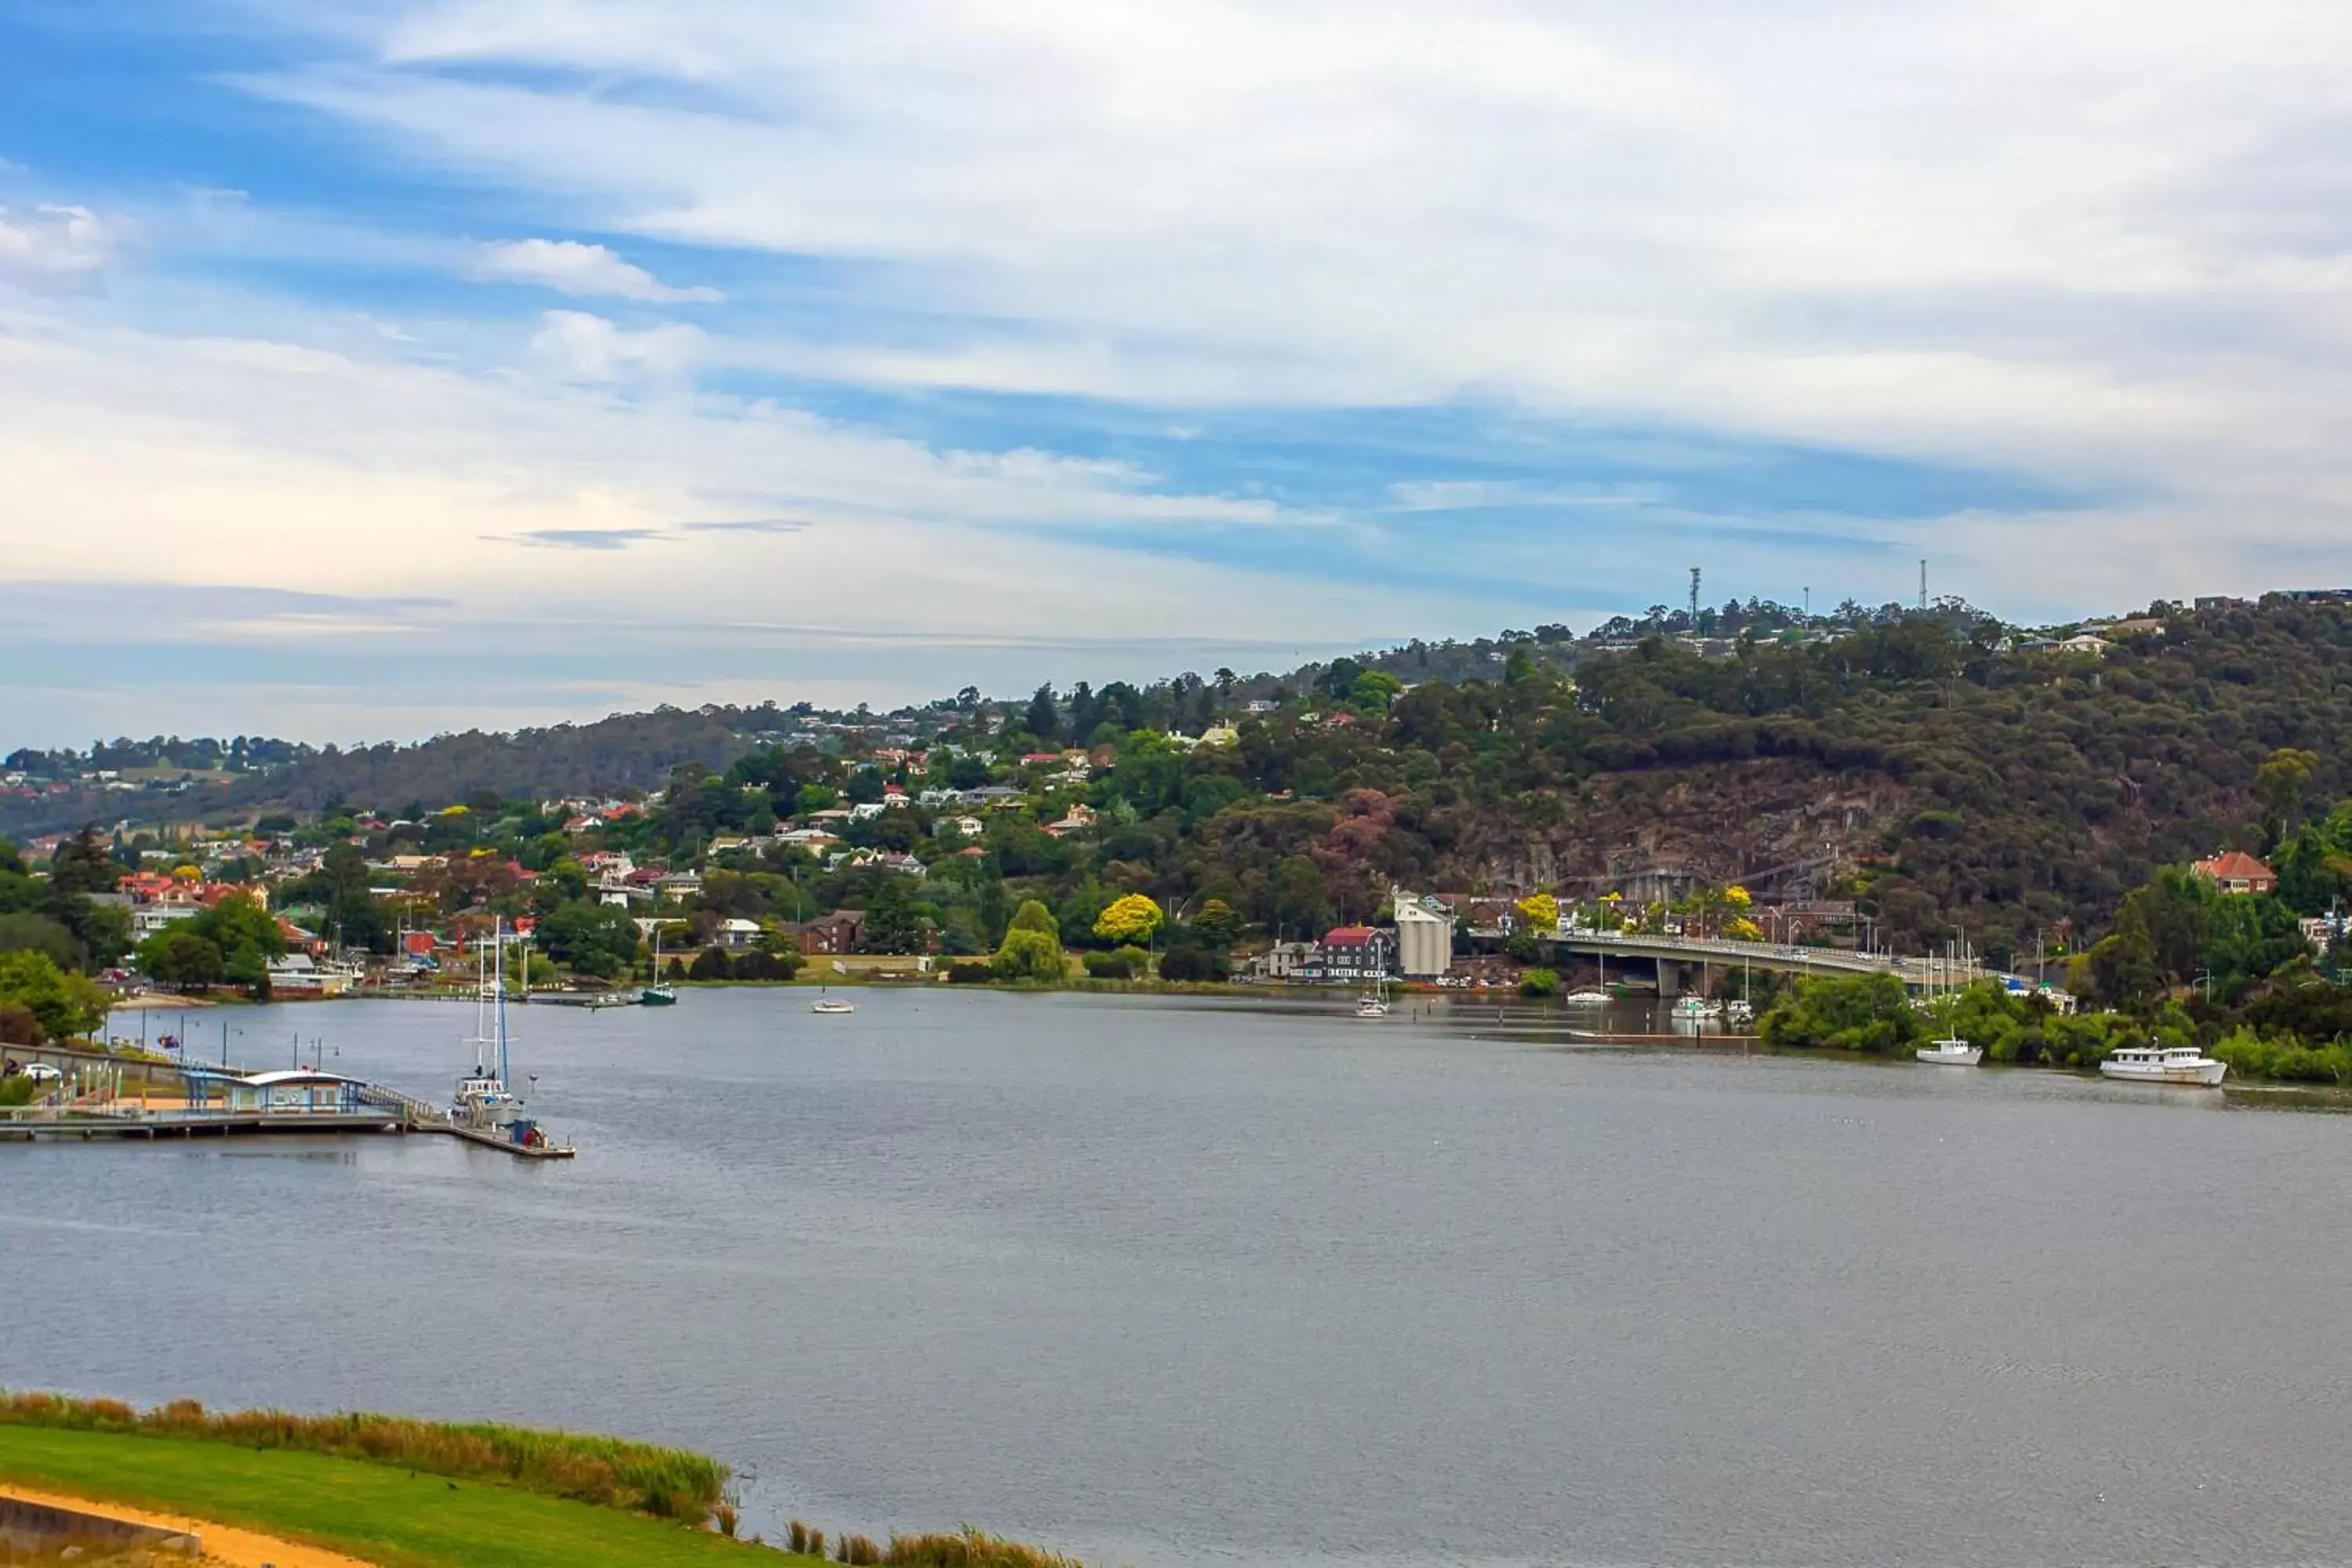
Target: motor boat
x,y
1691,1009
833,1004
1739,1011
1371,1007
1588,997
2165,1064
1954,1052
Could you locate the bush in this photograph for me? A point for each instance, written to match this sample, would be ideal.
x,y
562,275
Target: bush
x,y
970,973
1030,954
1540,983
711,963
1192,966
1109,966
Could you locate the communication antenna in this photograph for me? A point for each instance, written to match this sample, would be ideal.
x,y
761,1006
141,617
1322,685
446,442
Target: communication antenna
x,y
1923,582
1694,613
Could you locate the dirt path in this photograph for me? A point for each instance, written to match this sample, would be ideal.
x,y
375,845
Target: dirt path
x,y
222,1544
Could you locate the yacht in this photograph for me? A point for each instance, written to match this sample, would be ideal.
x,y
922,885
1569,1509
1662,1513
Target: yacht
x,y
1739,1011
2165,1064
1954,1052
833,1004
1692,1008
1588,997
1371,1007
483,1099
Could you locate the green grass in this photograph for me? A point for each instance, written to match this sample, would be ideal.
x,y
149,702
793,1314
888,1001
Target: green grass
x,y
376,1512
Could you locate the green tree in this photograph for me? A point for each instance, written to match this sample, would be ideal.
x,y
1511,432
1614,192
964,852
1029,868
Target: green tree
x,y
39,933
1130,919
892,924
179,958
65,1006
1219,925
83,864
1540,983
1041,718
590,938
1863,1013
1032,915
1029,954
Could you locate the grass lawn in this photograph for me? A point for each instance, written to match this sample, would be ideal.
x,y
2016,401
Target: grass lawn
x,y
373,1511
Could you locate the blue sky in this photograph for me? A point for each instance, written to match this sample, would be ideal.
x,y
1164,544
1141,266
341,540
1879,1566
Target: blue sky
x,y
376,369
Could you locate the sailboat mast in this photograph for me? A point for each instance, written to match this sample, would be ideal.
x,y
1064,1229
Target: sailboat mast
x,y
499,965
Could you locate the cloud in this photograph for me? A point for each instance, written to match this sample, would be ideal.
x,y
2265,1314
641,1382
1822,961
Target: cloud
x,y
2074,240
577,346
590,538
58,249
572,268
750,525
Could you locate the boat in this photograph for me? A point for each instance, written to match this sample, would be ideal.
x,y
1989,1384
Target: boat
x,y
1739,1011
1588,997
1371,1007
1693,1008
483,1099
660,994
1953,1052
2165,1064
833,1004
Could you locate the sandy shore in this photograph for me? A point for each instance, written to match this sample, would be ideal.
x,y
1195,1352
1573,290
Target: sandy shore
x,y
222,1544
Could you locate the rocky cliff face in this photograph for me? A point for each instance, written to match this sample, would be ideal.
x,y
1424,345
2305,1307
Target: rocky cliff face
x,y
1776,824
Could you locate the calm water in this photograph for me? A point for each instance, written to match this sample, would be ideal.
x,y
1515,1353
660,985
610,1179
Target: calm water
x,y
1211,1283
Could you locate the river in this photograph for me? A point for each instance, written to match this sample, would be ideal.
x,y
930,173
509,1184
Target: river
x,y
1180,1283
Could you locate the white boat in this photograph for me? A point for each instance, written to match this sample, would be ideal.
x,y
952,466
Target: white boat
x,y
483,1099
1954,1052
1737,1012
1370,1008
1692,1008
2165,1064
833,1004
1588,997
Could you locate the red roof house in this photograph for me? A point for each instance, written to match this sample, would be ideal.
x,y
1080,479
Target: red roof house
x,y
2235,872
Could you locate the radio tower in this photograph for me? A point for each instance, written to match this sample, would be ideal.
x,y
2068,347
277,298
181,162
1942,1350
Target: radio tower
x,y
1693,601
1923,585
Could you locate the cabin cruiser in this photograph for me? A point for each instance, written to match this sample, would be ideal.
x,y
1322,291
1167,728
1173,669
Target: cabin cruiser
x,y
1953,1052
1739,1011
2165,1064
1371,1007
833,1004
1588,997
1690,1009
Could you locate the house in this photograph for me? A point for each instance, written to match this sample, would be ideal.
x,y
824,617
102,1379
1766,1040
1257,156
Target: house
x,y
1077,818
2235,872
1220,735
867,810
1356,952
2086,642
837,932
970,827
737,935
1283,960
679,885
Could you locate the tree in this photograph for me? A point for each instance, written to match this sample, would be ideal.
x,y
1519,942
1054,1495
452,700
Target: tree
x,y
1865,1013
38,933
2279,783
1029,954
1219,923
83,864
590,938
891,923
1034,916
1301,901
64,1004
1191,965
179,958
1041,718
1131,919
1539,912
1540,983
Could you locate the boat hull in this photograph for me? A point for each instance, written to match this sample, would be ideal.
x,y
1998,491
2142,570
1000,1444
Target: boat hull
x,y
1967,1059
2204,1075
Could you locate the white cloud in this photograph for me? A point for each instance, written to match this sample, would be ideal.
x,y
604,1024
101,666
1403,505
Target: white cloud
x,y
577,346
572,268
2073,236
58,249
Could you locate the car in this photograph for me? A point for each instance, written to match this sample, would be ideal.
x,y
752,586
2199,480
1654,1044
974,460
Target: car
x,y
42,1072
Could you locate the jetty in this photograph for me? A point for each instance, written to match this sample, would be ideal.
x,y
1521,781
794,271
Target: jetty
x,y
101,1097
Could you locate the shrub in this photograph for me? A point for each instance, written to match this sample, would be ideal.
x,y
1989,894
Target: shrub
x,y
970,973
1192,964
710,963
1540,983
1110,966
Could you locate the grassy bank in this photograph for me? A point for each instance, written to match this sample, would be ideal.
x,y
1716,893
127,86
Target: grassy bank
x,y
606,1471
379,1512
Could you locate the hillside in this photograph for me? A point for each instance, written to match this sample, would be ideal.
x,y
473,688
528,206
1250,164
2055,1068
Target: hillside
x,y
1916,761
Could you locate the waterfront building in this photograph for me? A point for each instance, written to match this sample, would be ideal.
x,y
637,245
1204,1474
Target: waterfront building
x,y
1424,936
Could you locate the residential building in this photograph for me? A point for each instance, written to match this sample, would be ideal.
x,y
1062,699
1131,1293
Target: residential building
x,y
2235,872
737,935
1283,960
1079,817
837,932
1356,952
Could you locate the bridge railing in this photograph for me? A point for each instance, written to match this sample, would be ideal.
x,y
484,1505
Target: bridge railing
x,y
1777,952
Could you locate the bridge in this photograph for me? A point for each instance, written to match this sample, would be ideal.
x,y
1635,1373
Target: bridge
x,y
1676,956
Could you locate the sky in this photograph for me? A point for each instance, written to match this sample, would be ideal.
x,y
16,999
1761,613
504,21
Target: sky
x,y
375,369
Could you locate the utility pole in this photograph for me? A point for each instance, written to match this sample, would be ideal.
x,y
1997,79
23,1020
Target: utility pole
x,y
1923,584
1694,606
